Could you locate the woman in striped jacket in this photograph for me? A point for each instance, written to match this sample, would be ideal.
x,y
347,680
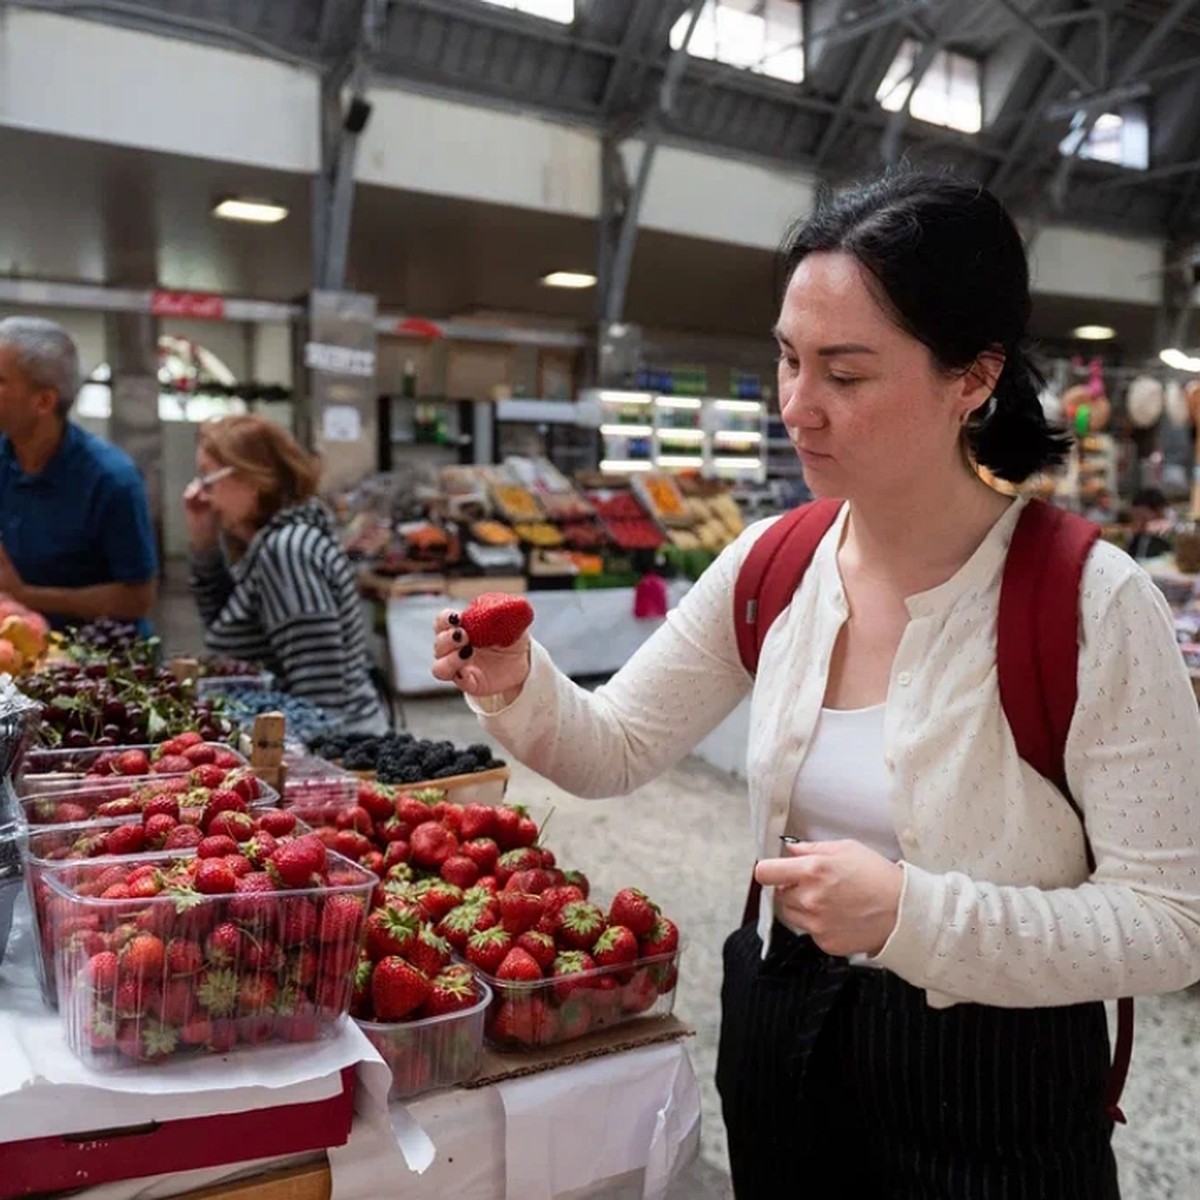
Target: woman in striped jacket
x,y
269,578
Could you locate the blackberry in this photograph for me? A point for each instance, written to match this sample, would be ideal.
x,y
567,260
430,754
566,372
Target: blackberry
x,y
465,764
495,764
409,775
446,772
435,760
479,751
361,758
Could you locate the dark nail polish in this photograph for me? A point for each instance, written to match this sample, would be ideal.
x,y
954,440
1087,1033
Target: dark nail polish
x,y
466,652
453,618
458,635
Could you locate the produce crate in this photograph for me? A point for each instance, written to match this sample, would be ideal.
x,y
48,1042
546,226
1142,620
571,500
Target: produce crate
x,y
479,787
434,1052
56,770
528,1015
260,968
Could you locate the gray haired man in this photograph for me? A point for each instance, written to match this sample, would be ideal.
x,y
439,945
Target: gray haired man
x,y
76,540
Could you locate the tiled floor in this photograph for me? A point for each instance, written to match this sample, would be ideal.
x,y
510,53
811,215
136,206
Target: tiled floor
x,y
684,838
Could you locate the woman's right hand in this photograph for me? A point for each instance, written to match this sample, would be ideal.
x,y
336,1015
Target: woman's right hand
x,y
478,672
201,519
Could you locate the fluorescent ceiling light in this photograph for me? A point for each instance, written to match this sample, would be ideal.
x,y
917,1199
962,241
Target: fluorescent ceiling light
x,y
623,398
1179,361
676,402
625,464
666,434
262,212
575,280
626,431
737,464
1094,333
746,406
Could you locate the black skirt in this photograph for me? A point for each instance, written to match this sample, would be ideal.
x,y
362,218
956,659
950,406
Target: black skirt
x,y
840,1081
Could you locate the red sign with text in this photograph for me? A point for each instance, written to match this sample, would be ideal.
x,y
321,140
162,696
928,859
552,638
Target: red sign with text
x,y
201,306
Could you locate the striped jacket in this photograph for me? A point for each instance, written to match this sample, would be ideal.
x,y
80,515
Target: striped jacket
x,y
290,604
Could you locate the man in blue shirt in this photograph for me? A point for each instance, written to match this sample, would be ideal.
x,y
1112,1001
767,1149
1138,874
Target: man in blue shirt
x,y
76,542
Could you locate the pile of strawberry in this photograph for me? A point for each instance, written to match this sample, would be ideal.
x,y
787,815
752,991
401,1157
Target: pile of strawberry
x,y
475,881
238,942
602,968
176,756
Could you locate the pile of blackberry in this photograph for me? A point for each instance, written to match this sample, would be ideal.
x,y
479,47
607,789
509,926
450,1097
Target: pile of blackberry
x,y
402,758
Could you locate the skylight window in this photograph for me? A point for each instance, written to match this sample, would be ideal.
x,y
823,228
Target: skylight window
x,y
560,11
950,92
1121,138
761,36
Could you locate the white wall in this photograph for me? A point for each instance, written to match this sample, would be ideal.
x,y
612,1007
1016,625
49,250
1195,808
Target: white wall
x,y
719,198
453,149
83,79
84,325
87,80
1068,261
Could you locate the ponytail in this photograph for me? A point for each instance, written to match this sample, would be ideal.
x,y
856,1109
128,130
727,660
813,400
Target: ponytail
x,y
1011,435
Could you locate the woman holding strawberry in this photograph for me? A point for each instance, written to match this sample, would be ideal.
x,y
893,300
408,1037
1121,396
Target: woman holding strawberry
x,y
914,1010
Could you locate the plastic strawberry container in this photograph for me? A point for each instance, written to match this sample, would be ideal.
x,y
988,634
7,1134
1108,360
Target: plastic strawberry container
x,y
434,1052
87,795
525,1016
57,770
312,785
44,847
243,970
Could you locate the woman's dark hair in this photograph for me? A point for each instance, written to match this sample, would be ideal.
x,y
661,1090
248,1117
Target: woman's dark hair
x,y
950,265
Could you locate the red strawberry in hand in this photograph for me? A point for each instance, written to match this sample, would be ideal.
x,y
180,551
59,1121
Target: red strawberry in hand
x,y
496,619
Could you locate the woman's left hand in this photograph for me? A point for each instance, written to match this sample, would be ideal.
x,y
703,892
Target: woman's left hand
x,y
843,895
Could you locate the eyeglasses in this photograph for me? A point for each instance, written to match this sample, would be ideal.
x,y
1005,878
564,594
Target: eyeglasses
x,y
205,482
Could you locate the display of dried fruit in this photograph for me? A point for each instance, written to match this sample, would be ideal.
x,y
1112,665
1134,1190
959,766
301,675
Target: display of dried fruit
x,y
539,533
565,506
516,503
636,535
584,535
661,495
493,533
619,506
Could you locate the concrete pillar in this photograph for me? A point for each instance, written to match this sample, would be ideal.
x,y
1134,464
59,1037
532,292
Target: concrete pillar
x,y
134,425
336,393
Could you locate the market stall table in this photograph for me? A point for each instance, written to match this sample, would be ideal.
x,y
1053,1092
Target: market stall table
x,y
586,632
623,1125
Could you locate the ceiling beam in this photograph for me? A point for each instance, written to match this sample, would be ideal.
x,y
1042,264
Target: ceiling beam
x,y
1143,52
951,17
1034,34
642,20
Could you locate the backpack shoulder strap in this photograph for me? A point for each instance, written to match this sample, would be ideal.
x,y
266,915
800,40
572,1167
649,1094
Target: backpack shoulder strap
x,y
773,570
1037,634
1037,662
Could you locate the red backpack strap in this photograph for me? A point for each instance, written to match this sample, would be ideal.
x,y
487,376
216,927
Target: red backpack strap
x,y
1037,634
765,585
1037,661
772,572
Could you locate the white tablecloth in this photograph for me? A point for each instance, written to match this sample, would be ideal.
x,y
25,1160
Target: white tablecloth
x,y
586,632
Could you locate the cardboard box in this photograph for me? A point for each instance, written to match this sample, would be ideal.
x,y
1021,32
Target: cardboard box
x,y
295,1183
495,1067
91,1157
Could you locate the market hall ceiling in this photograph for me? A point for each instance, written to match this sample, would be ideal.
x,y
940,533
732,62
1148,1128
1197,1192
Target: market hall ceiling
x,y
604,70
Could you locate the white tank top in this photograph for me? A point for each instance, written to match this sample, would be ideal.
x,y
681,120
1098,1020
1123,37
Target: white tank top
x,y
842,789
